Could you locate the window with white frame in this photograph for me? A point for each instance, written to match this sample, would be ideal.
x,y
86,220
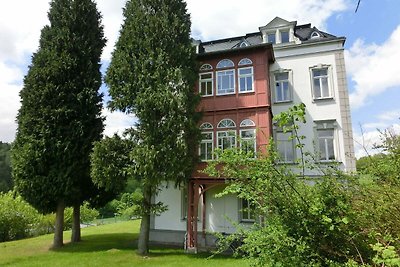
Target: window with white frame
x,y
226,139
246,211
206,67
225,82
246,78
248,137
271,38
320,83
325,131
245,61
206,146
225,63
248,141
284,146
282,87
206,84
284,36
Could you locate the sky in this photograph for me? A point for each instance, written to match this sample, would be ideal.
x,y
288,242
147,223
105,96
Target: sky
x,y
372,50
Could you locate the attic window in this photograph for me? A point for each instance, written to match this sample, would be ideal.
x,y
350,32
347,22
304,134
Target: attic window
x,y
315,35
206,67
243,44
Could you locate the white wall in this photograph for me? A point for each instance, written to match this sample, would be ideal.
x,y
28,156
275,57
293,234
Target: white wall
x,y
299,60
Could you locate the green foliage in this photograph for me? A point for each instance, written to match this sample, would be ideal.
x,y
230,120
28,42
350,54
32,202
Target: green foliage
x,y
6,182
16,217
332,220
60,115
87,215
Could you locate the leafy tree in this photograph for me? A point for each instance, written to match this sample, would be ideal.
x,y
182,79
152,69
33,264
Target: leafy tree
x,y
6,182
152,74
60,116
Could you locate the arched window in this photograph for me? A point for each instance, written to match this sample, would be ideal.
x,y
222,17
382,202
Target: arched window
x,y
247,123
243,44
206,67
206,126
226,123
225,63
245,61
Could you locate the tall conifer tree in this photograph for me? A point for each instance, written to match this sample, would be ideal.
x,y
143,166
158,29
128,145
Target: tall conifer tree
x,y
152,74
60,115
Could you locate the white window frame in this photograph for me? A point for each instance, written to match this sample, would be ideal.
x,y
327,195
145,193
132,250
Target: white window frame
x,y
246,215
326,126
225,63
290,143
245,61
328,82
245,76
206,67
290,88
205,142
206,81
226,123
247,139
226,91
228,134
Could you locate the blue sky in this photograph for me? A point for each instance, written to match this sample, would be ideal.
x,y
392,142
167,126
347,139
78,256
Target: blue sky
x,y
372,49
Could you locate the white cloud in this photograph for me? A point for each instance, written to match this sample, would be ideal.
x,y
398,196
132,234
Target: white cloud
x,y
117,122
373,68
369,134
227,18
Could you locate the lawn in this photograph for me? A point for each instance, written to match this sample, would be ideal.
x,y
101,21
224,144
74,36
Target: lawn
x,y
104,245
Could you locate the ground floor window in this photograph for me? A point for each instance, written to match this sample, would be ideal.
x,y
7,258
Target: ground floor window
x,y
246,211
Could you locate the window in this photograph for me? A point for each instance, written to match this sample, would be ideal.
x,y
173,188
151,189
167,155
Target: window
x,y
271,38
225,82
320,83
315,35
245,61
284,146
282,87
325,140
246,211
226,139
226,123
206,84
246,80
206,125
248,141
284,37
243,44
206,67
247,123
225,63
206,146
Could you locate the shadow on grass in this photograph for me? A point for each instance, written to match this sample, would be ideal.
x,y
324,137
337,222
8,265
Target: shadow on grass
x,y
126,242
102,242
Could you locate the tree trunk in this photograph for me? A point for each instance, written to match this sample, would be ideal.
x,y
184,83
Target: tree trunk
x,y
143,245
76,224
59,226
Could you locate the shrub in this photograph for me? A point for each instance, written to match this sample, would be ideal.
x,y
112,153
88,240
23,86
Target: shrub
x,y
17,218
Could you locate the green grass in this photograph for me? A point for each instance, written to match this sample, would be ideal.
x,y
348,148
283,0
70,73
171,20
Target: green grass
x,y
104,245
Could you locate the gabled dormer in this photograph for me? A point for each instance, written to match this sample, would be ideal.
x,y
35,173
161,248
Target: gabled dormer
x,y
278,31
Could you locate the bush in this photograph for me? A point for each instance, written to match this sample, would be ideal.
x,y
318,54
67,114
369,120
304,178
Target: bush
x,y
88,215
17,218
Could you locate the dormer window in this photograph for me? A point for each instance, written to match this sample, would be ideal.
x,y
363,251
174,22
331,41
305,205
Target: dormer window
x,y
315,35
284,36
243,44
271,38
